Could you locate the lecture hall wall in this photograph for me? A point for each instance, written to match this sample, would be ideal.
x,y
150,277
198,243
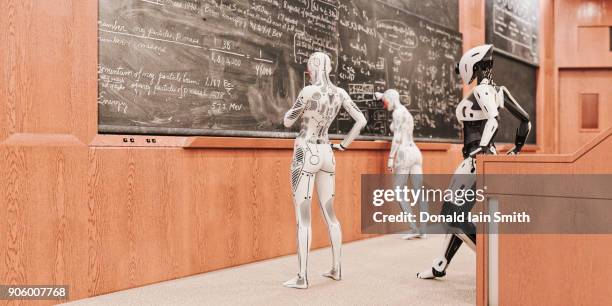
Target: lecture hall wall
x,y
81,209
584,63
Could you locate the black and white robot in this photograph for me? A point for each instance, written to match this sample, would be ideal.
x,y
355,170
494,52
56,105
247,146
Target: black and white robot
x,y
313,159
478,113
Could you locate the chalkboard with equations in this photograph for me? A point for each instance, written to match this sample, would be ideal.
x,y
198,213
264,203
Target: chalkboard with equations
x,y
512,26
520,79
231,67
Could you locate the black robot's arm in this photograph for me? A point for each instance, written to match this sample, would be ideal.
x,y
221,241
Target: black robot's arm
x,y
518,112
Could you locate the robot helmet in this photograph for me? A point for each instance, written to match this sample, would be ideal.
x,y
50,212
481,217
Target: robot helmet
x,y
476,58
319,68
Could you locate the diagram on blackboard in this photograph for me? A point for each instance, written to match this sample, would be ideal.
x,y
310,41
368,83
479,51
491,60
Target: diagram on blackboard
x,y
229,67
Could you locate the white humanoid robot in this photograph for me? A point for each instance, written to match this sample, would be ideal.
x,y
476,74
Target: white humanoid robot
x,y
405,157
313,159
478,113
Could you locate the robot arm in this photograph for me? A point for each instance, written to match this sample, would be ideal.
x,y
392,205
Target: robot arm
x,y
485,96
518,112
398,131
360,121
296,110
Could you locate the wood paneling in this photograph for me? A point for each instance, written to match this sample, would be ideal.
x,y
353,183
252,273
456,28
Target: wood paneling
x,y
547,109
472,26
581,33
573,84
584,65
48,68
552,269
537,269
106,219
471,22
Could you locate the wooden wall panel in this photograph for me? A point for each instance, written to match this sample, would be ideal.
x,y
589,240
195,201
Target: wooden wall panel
x,y
540,270
105,219
472,26
48,69
583,65
581,33
472,22
573,83
547,109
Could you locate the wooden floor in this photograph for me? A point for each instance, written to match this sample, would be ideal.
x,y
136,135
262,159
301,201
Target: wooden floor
x,y
378,271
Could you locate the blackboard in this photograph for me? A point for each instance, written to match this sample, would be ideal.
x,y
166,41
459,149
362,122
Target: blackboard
x,y
520,79
442,12
231,67
512,26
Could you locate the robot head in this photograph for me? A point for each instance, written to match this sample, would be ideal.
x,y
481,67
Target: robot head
x,y
319,68
390,98
474,61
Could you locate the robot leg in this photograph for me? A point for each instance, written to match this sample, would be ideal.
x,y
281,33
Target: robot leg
x,y
416,176
326,193
401,175
438,268
459,233
302,183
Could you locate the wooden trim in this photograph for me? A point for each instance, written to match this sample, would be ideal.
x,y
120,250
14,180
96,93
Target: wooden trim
x,y
42,139
530,148
481,270
211,142
538,158
482,288
137,141
274,143
599,25
236,143
589,130
226,142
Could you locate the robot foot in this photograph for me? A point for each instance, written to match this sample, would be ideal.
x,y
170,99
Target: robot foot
x,y
333,274
297,282
437,270
413,236
430,274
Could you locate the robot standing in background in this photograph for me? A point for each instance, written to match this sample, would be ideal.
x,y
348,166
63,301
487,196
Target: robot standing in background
x,y
405,157
478,113
313,159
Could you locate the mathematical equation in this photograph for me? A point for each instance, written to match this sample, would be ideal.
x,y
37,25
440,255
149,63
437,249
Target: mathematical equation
x,y
512,26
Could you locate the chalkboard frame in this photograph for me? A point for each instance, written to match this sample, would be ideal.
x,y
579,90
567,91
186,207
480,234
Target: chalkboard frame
x,y
185,132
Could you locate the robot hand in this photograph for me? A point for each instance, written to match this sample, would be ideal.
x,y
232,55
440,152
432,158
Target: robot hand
x,y
515,150
479,150
337,147
390,165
